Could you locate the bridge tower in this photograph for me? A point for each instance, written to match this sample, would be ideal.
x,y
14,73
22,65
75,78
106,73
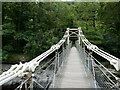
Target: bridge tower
x,y
73,33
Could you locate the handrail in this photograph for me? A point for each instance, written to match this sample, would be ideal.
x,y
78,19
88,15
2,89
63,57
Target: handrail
x,y
102,77
19,70
112,59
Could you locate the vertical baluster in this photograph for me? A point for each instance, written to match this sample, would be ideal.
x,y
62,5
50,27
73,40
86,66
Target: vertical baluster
x,y
79,35
68,38
55,67
93,70
30,81
88,66
58,61
63,53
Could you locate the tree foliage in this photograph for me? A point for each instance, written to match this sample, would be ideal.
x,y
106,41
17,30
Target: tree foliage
x,y
109,16
31,28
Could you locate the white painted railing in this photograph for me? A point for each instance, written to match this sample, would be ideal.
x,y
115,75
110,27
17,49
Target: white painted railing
x,y
20,70
26,69
112,59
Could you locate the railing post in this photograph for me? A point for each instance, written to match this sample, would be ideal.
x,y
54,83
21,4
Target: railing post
x,y
63,53
84,50
26,86
94,75
82,45
118,83
90,60
91,68
58,60
63,58
84,55
79,35
118,64
67,50
55,68
68,38
31,81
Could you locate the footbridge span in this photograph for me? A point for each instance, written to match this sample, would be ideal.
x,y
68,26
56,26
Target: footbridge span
x,y
69,66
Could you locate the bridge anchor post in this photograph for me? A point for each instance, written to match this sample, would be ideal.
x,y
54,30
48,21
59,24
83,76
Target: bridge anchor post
x,y
55,68
68,38
79,28
31,81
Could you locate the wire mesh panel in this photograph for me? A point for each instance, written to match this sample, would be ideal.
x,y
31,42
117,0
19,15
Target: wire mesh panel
x,y
104,79
39,77
43,78
84,57
12,84
89,62
17,84
25,84
60,59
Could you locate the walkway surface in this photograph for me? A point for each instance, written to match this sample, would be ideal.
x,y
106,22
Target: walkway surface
x,y
73,73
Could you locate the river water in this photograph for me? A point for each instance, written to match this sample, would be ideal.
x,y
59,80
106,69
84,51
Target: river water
x,y
14,83
4,67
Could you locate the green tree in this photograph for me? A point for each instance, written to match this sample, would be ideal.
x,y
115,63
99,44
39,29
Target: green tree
x,y
32,28
109,16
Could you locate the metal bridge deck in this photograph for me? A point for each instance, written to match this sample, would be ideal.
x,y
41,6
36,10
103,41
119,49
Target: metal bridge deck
x,y
73,73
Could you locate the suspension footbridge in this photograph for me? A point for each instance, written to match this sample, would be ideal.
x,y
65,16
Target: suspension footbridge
x,y
69,66
73,73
